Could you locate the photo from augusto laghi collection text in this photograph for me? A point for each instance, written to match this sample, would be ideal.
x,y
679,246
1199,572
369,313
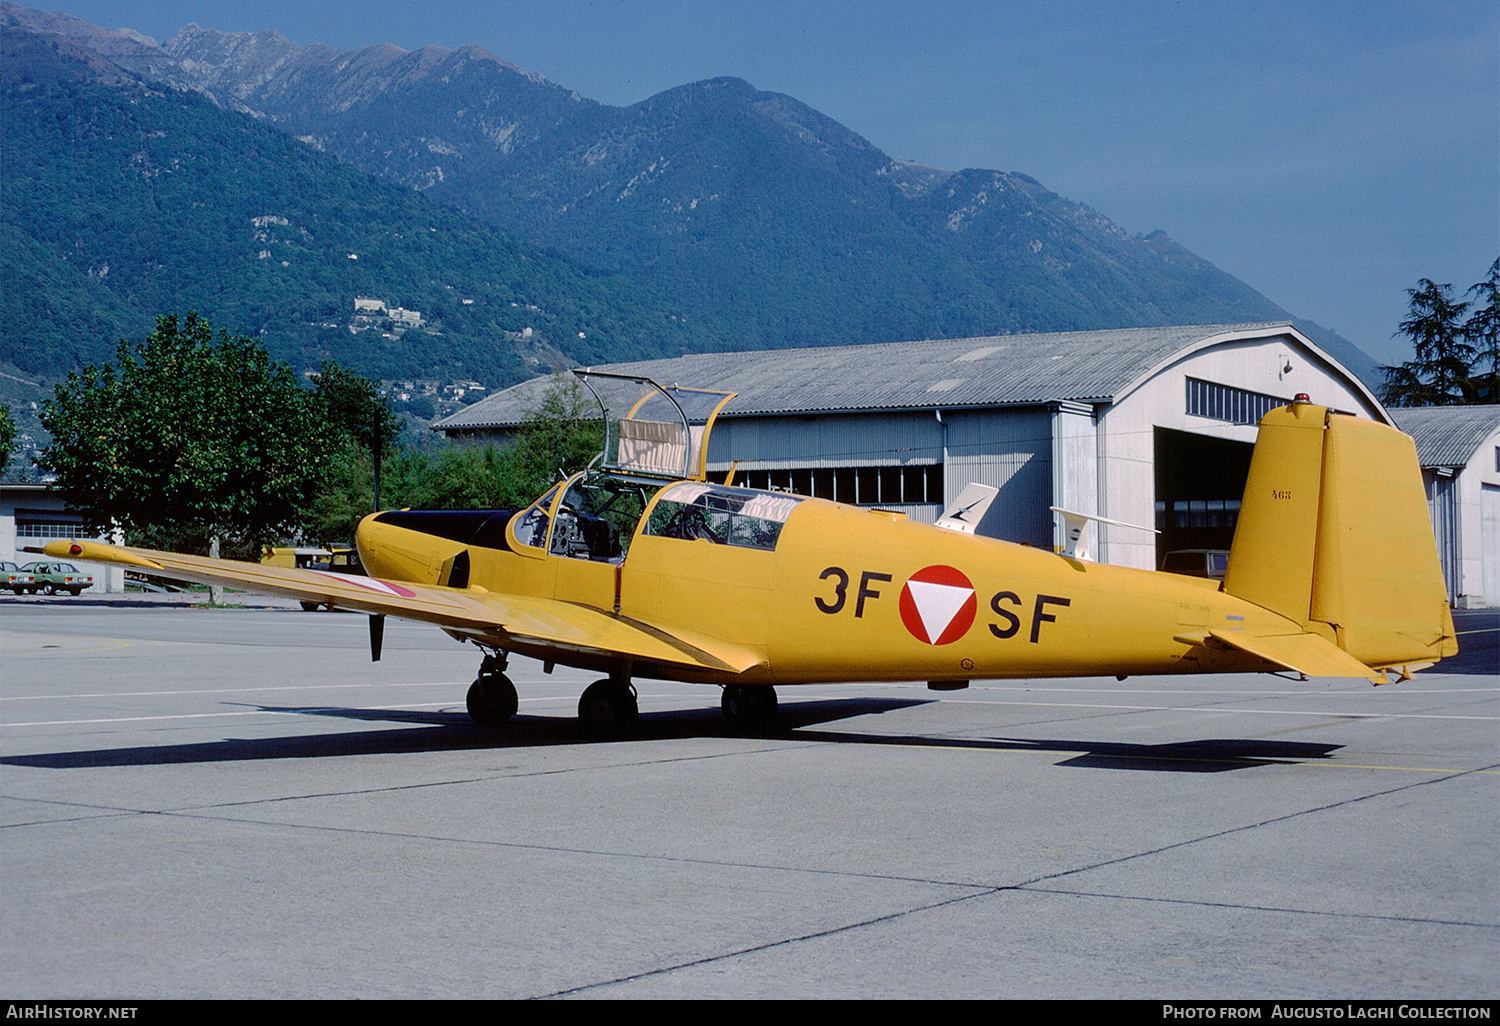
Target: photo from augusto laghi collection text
x,y
1328,1010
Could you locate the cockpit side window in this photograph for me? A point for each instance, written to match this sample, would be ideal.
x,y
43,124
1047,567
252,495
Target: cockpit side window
x,y
597,518
531,525
723,515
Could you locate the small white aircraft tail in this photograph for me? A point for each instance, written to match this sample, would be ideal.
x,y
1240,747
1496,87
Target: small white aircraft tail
x,y
1076,530
966,511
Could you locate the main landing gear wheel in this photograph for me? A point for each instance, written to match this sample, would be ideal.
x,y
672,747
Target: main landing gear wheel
x,y
492,700
608,709
752,708
492,697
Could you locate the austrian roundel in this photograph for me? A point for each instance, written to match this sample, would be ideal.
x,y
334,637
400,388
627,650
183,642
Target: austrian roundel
x,y
938,605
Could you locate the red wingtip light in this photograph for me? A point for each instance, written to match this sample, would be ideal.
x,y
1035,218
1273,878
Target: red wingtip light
x,y
75,549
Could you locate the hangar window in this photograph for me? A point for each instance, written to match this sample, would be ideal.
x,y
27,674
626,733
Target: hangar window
x,y
1231,405
1194,513
45,523
915,483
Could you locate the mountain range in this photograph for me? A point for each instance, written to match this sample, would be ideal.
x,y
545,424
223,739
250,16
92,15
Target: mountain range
x,y
725,216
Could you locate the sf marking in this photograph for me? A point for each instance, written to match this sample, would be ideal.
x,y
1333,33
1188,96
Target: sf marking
x,y
1009,608
1039,614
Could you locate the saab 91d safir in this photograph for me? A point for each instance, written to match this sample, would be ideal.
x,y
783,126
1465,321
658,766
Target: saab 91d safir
x,y
640,567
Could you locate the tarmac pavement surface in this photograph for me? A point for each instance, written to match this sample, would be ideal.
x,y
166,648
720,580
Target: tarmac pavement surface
x,y
236,803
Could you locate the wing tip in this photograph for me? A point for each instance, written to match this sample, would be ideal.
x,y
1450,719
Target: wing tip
x,y
97,552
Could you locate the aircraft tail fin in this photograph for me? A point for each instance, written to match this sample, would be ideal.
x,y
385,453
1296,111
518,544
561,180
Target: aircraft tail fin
x,y
1334,534
965,512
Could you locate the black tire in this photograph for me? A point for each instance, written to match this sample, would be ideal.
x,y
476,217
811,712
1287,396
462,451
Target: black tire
x,y
75,592
492,700
608,710
751,708
48,589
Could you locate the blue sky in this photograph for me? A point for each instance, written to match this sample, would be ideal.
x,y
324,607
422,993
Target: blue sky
x,y
1329,154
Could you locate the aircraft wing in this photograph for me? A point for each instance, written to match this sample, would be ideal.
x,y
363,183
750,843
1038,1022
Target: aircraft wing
x,y
550,622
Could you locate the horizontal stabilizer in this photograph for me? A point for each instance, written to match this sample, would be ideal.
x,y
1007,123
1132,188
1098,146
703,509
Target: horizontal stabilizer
x,y
1309,654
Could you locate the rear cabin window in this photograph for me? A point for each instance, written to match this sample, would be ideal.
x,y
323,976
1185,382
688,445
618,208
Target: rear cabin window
x,y
725,516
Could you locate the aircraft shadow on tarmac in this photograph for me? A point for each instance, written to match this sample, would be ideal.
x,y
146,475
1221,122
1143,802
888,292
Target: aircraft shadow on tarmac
x,y
453,731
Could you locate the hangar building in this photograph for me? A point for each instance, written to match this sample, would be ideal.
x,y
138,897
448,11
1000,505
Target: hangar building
x,y
1459,449
1149,426
31,515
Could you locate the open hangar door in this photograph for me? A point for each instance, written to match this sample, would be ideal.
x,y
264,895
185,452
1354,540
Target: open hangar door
x,y
1200,481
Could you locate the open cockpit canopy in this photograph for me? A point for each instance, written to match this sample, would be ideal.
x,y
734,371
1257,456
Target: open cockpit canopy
x,y
652,430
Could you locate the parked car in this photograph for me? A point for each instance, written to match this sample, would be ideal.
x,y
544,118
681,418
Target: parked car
x,y
55,577
305,558
14,578
340,561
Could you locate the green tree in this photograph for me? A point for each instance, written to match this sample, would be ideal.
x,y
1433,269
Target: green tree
x,y
188,436
560,436
344,494
479,477
1441,375
356,420
1483,332
7,436
353,410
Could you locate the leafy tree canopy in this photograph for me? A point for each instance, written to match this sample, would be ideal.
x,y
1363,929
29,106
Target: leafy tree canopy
x,y
190,435
1446,371
559,437
1483,331
353,410
7,436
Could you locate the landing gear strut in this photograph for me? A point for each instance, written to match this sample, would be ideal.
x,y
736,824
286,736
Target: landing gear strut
x,y
608,709
752,708
492,697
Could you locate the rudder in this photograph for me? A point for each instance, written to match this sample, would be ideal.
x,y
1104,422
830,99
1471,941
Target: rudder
x,y
1334,533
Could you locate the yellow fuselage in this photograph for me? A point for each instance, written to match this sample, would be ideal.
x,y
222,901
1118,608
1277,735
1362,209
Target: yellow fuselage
x,y
850,594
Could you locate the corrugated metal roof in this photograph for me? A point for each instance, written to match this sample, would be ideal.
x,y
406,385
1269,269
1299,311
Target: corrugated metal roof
x,y
951,373
1447,436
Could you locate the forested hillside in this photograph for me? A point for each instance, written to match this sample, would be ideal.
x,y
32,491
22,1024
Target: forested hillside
x,y
719,215
122,201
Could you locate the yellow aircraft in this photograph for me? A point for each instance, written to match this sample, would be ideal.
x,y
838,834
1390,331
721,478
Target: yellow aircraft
x,y
641,567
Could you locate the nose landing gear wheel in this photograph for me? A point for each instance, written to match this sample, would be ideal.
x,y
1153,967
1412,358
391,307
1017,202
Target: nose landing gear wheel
x,y
608,709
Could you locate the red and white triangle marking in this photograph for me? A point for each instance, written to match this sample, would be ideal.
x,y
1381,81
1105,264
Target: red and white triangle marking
x,y
938,605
